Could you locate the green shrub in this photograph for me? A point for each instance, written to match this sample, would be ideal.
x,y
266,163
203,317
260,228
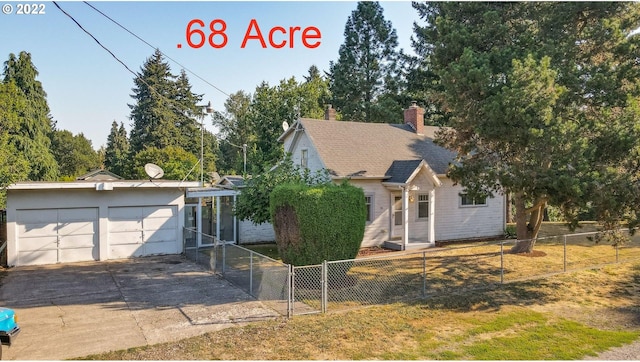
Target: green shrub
x,y
317,223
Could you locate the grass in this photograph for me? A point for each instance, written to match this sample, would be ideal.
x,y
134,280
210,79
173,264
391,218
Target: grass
x,y
566,316
561,317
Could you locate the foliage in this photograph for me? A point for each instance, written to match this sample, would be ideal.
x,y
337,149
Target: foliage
x,y
166,113
365,81
317,223
510,232
116,157
256,120
30,135
74,154
175,162
13,164
542,100
253,202
235,131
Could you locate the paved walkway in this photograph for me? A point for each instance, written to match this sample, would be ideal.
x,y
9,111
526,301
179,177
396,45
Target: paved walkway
x,y
628,352
73,310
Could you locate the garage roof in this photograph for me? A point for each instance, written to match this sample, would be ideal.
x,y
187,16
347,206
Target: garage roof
x,y
101,185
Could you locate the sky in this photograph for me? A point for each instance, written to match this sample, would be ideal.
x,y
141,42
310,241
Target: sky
x,y
87,88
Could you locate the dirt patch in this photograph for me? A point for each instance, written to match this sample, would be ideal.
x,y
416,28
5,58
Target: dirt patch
x,y
533,254
374,250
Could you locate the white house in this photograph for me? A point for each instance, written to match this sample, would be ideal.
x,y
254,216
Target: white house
x,y
93,219
410,200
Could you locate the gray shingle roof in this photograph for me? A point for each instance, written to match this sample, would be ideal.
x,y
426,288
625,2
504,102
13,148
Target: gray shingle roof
x,y
370,149
400,171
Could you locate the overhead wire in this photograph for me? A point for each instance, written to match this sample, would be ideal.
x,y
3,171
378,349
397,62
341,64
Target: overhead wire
x,y
170,102
154,47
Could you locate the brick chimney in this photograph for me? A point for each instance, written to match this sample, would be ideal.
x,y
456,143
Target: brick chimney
x,y
329,113
414,116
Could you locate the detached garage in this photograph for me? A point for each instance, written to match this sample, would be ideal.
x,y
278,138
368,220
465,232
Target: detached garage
x,y
60,222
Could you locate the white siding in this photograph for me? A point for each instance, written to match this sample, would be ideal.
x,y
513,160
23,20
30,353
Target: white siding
x,y
376,231
250,233
54,199
314,162
456,222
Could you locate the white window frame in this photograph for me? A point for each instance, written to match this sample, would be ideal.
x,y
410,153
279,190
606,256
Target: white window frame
x,y
474,202
371,203
418,201
304,158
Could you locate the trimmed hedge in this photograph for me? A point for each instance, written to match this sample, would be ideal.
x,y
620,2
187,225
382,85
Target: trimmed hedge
x,y
317,223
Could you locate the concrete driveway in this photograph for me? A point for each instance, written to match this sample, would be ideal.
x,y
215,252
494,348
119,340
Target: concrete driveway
x,y
73,310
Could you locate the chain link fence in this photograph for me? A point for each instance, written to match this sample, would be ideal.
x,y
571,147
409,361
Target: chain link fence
x,y
264,278
403,276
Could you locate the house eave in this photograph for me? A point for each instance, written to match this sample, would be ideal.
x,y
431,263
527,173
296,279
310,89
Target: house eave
x,y
210,192
359,177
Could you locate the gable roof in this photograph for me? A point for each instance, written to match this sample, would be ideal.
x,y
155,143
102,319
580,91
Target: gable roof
x,y
373,150
231,180
98,175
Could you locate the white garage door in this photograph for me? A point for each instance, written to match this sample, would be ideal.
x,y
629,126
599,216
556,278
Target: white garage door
x,y
140,231
49,236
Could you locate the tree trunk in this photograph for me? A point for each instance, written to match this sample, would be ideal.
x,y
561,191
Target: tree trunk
x,y
527,231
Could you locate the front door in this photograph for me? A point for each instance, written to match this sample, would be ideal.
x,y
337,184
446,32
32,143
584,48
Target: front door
x,y
397,217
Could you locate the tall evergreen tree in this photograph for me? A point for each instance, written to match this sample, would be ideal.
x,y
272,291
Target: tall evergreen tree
x,y
117,153
14,166
190,112
365,81
543,100
167,113
155,115
32,135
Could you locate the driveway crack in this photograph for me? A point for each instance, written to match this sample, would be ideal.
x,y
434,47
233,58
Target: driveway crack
x,y
124,299
61,315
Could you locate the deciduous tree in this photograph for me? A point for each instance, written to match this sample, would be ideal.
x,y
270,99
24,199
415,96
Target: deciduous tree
x,y
74,153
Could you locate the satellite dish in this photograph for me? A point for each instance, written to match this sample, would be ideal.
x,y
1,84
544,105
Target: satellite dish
x,y
285,125
153,171
215,176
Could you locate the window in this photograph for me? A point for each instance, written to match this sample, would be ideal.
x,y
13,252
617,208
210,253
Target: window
x,y
423,206
466,200
368,200
304,157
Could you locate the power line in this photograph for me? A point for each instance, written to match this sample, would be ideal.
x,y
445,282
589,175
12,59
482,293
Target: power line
x,y
136,76
154,47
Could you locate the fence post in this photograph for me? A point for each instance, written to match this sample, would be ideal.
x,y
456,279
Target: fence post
x,y
324,282
290,291
224,257
617,255
502,262
564,261
424,274
251,273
